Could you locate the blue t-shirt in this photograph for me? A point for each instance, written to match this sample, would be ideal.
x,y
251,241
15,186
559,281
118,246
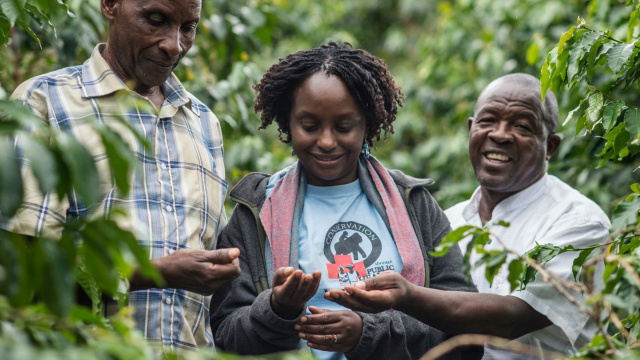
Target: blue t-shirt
x,y
341,234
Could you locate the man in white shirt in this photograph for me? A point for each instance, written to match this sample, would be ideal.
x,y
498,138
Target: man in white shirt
x,y
511,138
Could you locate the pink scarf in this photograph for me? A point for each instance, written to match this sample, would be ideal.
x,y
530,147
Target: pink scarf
x,y
280,215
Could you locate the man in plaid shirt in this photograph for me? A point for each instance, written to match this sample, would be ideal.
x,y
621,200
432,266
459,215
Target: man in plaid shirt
x,y
175,207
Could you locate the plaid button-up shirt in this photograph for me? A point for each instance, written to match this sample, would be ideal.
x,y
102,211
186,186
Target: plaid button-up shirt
x,y
177,193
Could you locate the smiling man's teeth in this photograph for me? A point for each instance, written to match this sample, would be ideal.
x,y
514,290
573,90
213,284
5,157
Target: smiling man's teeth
x,y
499,157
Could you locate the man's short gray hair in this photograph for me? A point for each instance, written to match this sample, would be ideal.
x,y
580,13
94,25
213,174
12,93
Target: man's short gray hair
x,y
550,110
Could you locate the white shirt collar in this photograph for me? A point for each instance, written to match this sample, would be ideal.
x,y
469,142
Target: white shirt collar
x,y
522,198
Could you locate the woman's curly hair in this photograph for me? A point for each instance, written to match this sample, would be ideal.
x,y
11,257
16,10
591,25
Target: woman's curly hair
x,y
365,75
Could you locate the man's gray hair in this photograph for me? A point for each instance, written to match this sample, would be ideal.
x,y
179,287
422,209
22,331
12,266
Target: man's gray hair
x,y
550,110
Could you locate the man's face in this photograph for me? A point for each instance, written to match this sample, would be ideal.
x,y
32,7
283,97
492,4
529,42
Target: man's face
x,y
508,141
147,38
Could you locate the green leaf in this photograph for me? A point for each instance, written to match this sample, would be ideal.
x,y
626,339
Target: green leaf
x,y
594,111
10,179
10,265
25,26
617,138
451,239
19,268
544,253
42,162
44,5
121,158
561,68
632,122
548,72
635,187
618,55
503,223
626,213
57,287
572,112
516,269
84,176
579,261
579,51
566,36
610,114
580,124
90,287
12,9
632,24
5,27
41,16
597,56
98,259
532,53
493,264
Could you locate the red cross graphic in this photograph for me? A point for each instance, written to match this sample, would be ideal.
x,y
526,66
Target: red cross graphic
x,y
344,260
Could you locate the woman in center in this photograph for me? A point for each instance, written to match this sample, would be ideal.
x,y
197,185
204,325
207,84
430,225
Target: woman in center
x,y
334,217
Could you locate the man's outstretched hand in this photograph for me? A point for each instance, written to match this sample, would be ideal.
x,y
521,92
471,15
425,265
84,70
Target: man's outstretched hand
x,y
199,271
386,291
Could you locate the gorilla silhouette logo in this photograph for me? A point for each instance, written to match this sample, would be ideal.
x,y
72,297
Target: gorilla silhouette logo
x,y
350,245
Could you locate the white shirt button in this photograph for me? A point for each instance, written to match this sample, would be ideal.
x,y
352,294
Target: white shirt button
x,y
163,166
168,208
167,301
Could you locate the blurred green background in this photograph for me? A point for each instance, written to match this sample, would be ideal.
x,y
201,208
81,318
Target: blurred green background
x,y
442,53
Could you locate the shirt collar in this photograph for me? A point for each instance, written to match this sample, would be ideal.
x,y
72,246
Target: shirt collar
x,y
98,79
520,199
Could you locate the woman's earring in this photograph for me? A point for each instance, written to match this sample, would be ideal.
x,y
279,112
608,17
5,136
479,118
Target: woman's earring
x,y
366,151
293,152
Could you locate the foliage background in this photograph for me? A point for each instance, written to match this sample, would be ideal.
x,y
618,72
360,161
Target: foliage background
x,y
442,54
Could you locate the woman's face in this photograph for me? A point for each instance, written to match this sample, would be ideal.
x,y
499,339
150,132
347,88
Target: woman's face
x,y
327,130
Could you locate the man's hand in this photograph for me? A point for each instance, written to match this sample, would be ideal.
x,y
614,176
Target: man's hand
x,y
329,330
199,271
386,291
291,291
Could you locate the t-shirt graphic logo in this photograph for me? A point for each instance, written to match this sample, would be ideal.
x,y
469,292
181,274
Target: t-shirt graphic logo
x,y
346,270
349,245
346,243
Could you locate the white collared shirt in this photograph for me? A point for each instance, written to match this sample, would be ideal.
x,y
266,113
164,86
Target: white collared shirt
x,y
549,211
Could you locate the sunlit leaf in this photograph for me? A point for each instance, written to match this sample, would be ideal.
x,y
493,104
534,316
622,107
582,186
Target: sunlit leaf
x,y
563,39
532,53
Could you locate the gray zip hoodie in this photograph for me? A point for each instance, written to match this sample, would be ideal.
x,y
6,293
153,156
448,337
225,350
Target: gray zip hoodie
x,y
241,316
